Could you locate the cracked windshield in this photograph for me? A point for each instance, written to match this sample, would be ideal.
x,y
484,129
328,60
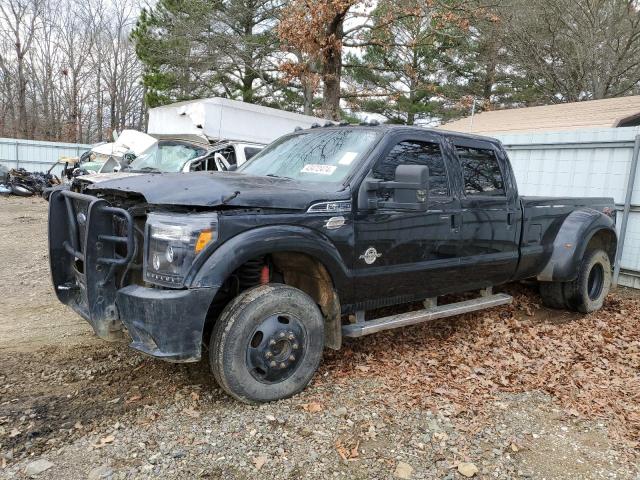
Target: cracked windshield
x,y
169,157
316,156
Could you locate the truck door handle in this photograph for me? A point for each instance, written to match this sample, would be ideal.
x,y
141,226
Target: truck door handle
x,y
455,223
510,216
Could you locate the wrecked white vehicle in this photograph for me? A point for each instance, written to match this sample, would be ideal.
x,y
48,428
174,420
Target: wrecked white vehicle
x,y
212,134
173,155
109,157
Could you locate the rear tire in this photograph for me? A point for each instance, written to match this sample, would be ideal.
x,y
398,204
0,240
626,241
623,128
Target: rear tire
x,y
267,344
587,292
552,294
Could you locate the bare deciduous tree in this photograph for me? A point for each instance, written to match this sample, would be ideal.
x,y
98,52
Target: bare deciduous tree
x,y
21,22
576,50
62,62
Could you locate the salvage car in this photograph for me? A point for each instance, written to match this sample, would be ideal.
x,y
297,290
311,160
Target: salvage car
x,y
178,155
166,154
108,157
266,266
206,134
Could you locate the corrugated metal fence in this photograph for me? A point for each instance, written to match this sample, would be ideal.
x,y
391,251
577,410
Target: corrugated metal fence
x,y
583,163
37,156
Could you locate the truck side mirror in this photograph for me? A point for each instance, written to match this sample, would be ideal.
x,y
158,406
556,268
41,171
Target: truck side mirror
x,y
408,191
411,184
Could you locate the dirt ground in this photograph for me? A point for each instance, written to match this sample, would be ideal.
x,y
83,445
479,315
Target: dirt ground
x,y
437,401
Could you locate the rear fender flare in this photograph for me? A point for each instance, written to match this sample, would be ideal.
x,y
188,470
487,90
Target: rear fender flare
x,y
571,243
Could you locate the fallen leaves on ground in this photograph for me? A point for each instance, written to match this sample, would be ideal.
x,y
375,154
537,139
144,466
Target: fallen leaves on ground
x,y
104,441
133,399
588,363
403,470
467,469
312,407
348,448
259,462
191,412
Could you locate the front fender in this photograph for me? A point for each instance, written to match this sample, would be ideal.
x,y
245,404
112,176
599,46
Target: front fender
x,y
571,243
264,240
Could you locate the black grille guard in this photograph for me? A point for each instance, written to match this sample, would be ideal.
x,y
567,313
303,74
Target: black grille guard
x,y
85,252
72,246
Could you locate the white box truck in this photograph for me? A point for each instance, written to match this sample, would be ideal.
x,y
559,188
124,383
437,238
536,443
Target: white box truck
x,y
220,119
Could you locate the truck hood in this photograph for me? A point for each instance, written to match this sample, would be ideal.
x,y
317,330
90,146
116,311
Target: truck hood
x,y
105,177
210,189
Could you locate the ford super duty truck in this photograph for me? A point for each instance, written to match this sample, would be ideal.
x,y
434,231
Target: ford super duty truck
x,y
265,266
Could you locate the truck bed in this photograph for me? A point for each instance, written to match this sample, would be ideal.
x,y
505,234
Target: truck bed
x,y
597,203
542,219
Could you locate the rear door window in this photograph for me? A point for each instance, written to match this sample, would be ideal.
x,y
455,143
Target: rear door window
x,y
481,172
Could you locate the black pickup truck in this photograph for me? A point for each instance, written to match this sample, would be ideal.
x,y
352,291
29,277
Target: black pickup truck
x,y
267,265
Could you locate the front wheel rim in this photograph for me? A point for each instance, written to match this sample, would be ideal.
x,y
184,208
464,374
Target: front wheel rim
x,y
276,348
595,282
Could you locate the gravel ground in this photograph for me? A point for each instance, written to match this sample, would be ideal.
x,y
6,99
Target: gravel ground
x,y
73,407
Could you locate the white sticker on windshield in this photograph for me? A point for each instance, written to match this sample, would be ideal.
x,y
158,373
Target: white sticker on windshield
x,y
348,158
319,169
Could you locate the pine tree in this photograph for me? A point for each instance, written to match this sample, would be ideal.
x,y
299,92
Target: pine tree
x,y
405,70
200,48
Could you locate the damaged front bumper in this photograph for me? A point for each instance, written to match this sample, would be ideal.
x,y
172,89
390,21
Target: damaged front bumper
x,y
90,243
166,324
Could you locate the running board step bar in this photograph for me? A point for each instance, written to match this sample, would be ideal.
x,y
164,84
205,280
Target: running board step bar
x,y
368,327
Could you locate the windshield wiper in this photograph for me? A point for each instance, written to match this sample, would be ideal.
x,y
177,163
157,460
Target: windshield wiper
x,y
273,175
147,169
227,199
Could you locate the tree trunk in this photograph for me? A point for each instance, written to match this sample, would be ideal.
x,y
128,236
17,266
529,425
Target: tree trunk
x,y
113,93
491,73
73,117
247,87
47,127
332,69
144,111
413,86
99,104
307,93
22,97
331,73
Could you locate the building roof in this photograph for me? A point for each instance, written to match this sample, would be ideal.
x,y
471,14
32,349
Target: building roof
x,y
607,113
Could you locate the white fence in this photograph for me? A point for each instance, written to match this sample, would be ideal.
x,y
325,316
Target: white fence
x,y
37,156
594,163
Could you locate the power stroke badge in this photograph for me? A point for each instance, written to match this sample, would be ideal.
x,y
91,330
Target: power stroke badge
x,y
370,256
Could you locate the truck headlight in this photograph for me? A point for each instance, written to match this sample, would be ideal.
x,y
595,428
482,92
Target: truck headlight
x,y
173,242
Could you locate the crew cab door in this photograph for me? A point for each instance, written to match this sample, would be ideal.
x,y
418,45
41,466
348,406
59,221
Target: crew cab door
x,y
402,255
491,214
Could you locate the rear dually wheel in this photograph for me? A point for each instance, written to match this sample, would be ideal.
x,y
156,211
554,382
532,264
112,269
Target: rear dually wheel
x,y
587,292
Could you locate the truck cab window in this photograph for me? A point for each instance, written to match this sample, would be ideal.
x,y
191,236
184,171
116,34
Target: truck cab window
x,y
482,175
250,152
229,155
416,153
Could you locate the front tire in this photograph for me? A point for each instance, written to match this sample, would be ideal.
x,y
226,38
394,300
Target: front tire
x,y
267,344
